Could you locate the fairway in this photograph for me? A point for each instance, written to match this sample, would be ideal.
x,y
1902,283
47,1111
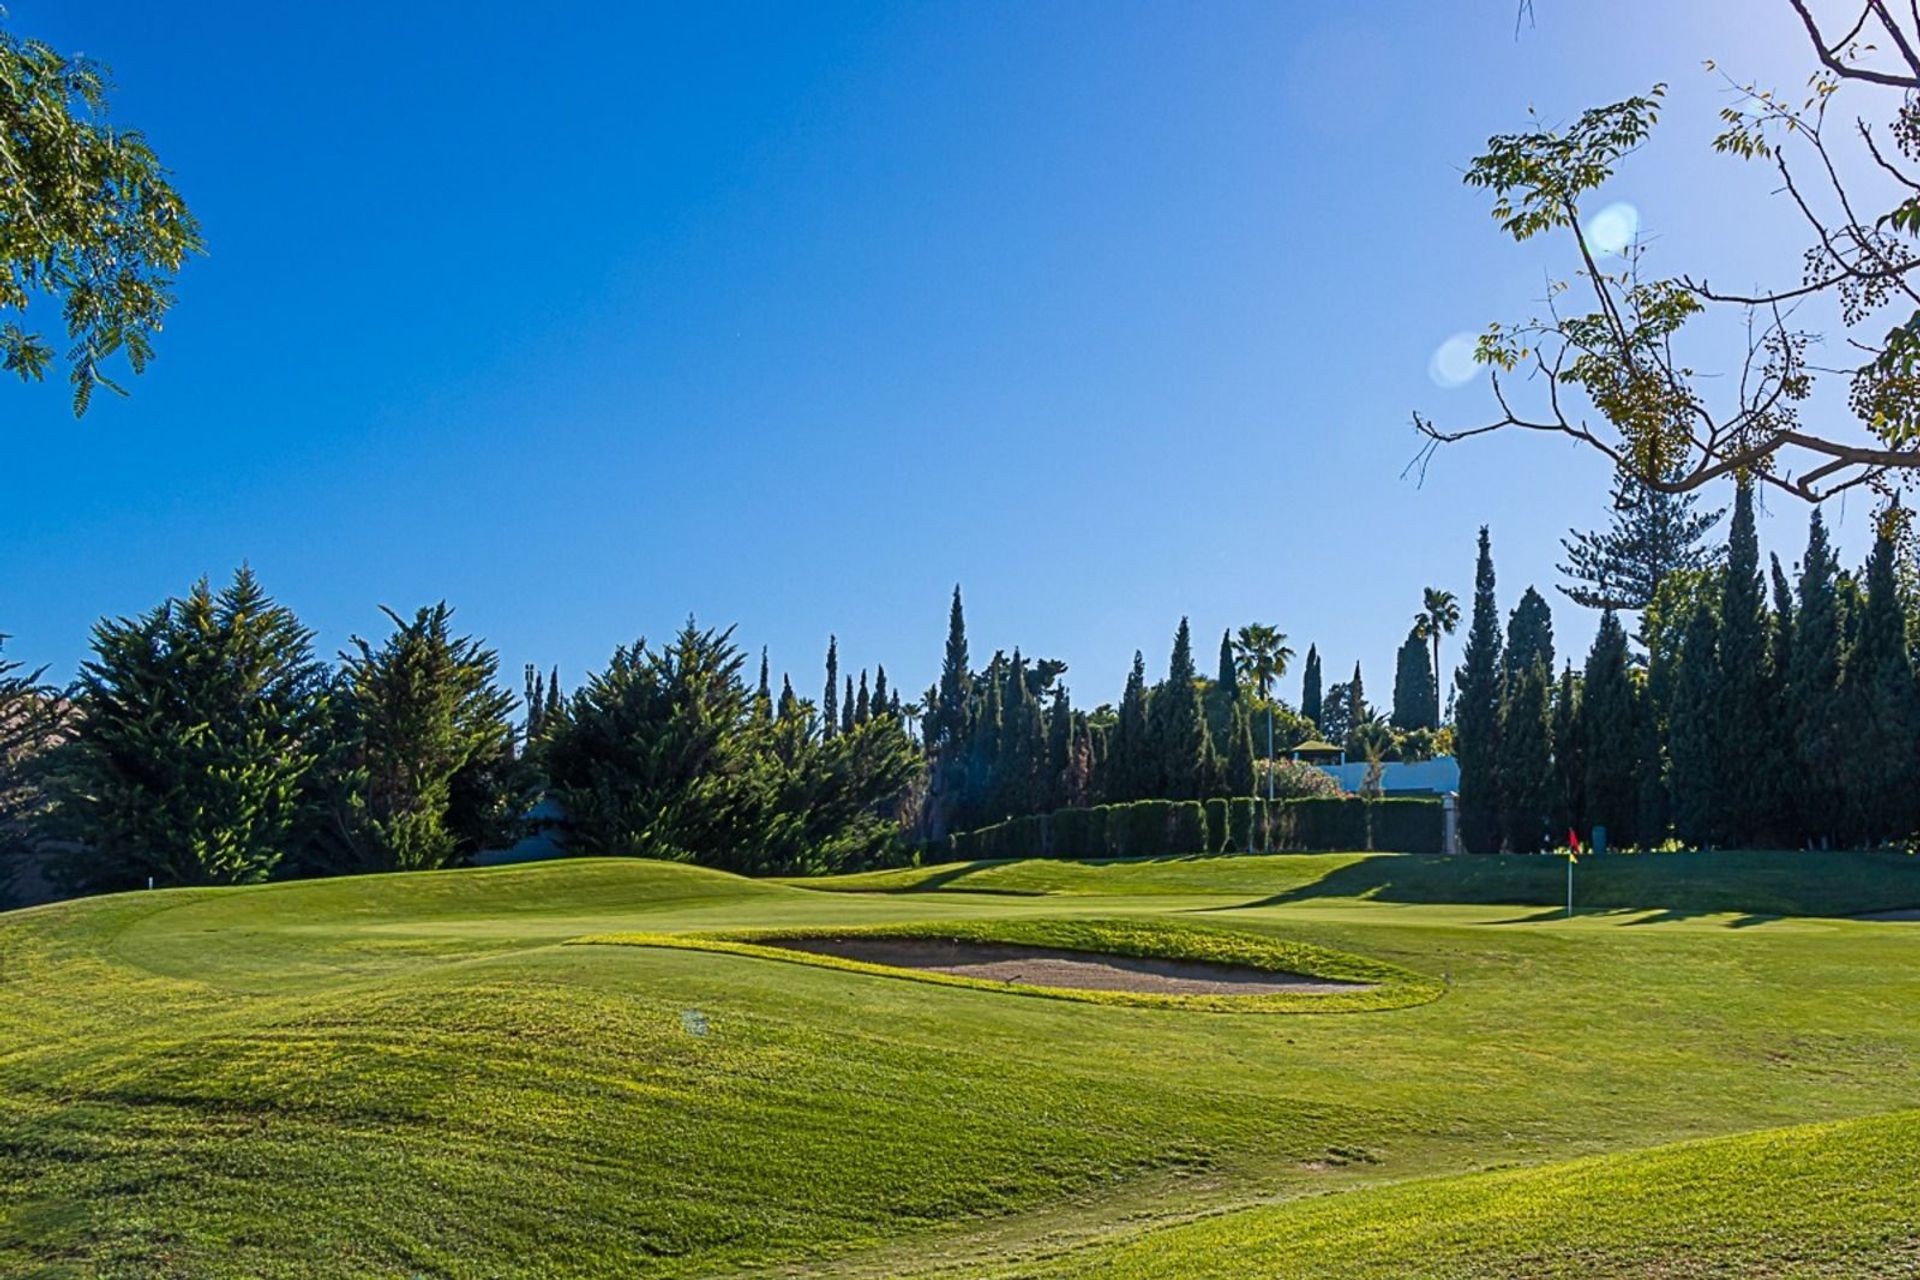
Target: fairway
x,y
475,1073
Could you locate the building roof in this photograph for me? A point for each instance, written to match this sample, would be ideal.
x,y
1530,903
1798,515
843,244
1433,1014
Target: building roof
x,y
1317,745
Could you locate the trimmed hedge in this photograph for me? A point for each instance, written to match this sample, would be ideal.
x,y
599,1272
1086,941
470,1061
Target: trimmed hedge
x,y
1160,828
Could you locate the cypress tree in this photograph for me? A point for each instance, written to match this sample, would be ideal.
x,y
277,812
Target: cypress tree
x,y
985,785
536,699
1179,726
1359,712
847,709
882,706
1747,722
1310,702
1228,681
1476,712
830,698
1815,709
1781,820
1060,721
789,705
1609,735
1413,687
554,706
1693,755
1526,758
1529,634
763,694
1131,765
1882,708
863,701
1241,779
1569,758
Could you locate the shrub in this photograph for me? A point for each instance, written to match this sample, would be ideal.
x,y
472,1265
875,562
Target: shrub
x,y
1240,825
1217,826
1407,825
1186,829
1296,780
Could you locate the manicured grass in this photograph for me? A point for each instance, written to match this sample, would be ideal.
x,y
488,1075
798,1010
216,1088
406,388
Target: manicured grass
x,y
1757,883
1817,1200
1378,986
416,1075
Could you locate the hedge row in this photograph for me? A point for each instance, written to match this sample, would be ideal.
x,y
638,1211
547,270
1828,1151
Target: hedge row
x,y
1150,828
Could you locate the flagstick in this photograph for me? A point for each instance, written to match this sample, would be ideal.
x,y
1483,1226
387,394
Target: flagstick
x,y
1569,888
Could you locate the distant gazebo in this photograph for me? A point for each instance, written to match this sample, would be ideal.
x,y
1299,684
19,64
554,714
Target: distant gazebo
x,y
1318,752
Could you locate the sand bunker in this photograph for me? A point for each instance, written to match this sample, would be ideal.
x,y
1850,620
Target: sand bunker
x,y
1079,970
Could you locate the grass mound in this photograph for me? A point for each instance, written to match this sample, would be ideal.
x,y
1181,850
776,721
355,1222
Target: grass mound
x,y
1816,1200
1378,985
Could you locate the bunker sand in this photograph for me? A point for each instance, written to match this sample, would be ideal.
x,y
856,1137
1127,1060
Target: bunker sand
x,y
1076,970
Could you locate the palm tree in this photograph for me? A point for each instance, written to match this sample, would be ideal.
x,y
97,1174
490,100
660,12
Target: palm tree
x,y
1439,615
1261,656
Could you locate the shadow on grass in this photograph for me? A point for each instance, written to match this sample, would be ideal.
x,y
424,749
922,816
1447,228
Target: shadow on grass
x,y
1755,886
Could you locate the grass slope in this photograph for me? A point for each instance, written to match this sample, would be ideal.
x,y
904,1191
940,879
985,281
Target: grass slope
x,y
416,1075
1818,1200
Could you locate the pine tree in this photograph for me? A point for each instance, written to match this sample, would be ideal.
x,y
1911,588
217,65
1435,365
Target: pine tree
x,y
1228,681
202,726
1130,772
1569,757
1882,708
1179,726
1693,754
1476,714
1652,534
1413,690
830,699
1609,735
1747,722
1310,701
31,723
1816,711
1526,758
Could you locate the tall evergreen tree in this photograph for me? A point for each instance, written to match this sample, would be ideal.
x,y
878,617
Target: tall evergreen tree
x,y
1414,697
1359,710
830,698
1060,720
763,695
1130,772
882,706
846,708
31,722
1526,758
1782,818
1240,776
1651,535
553,706
202,726
1609,735
1882,709
1310,699
1747,722
1693,754
421,778
863,701
536,702
1179,726
1529,634
789,705
1476,714
948,725
1569,758
1228,680
1816,711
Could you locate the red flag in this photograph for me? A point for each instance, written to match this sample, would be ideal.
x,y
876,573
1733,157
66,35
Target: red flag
x,y
1573,840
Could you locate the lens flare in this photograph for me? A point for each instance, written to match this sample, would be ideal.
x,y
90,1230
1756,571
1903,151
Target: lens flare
x,y
1611,230
1453,364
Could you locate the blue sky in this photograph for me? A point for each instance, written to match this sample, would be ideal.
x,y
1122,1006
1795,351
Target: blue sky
x,y
585,317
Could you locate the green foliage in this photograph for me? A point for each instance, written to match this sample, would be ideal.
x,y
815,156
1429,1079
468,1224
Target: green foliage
x,y
1882,710
1820,732
31,717
202,724
1569,799
1609,736
1178,726
1131,773
1529,635
1239,773
1310,696
1476,714
1749,770
1439,615
1651,535
91,220
1415,695
425,772
1526,758
1693,748
661,756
